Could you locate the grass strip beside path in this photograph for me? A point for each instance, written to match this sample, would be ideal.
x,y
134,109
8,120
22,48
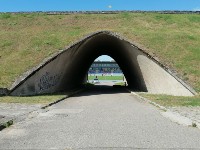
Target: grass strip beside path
x,y
120,83
44,99
172,101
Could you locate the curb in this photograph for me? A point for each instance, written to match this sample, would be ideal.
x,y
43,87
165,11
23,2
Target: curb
x,y
8,122
67,96
174,117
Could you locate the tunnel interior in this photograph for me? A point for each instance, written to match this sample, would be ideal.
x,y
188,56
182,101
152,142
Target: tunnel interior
x,y
106,45
67,69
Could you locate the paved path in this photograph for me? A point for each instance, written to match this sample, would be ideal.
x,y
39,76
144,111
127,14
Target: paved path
x,y
10,111
103,118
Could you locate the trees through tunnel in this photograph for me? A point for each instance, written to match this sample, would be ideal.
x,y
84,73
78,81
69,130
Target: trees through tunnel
x,y
67,69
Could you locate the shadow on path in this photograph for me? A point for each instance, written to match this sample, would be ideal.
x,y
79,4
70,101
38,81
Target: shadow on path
x,y
101,89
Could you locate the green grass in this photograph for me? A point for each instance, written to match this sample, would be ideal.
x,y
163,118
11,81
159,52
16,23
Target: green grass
x,y
171,101
27,39
106,77
31,100
5,124
120,83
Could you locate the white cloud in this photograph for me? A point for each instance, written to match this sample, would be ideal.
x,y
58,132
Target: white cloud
x,y
110,6
196,9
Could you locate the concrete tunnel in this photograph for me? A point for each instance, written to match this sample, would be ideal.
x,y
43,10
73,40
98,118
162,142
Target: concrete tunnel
x,y
67,69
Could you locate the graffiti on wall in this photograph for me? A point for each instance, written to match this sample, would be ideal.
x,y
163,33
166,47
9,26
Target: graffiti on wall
x,y
48,81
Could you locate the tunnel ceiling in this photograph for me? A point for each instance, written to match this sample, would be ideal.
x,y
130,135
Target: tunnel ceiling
x,y
67,69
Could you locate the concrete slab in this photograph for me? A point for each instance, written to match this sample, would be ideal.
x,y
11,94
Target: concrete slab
x,y
12,110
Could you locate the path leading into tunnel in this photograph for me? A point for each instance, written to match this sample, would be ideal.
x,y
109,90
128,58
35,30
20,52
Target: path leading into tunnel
x,y
100,118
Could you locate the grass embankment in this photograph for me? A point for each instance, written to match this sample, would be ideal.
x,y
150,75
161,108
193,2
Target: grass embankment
x,y
26,39
172,101
106,77
31,100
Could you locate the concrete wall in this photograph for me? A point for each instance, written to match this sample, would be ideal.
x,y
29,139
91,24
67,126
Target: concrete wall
x,y
67,69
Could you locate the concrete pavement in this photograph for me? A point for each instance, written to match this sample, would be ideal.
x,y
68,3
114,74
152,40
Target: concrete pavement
x,y
100,118
10,112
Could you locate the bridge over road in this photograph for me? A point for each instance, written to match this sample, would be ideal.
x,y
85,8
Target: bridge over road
x,y
100,118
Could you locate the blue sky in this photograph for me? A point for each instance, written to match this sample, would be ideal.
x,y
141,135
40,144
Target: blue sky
x,y
97,5
77,5
104,58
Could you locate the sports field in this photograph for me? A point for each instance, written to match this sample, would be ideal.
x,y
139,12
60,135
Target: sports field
x,y
106,77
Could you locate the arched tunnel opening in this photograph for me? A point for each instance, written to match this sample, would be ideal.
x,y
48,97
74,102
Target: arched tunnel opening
x,y
132,82
106,71
67,69
104,44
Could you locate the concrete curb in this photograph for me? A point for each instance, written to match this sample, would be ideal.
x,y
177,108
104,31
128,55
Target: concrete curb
x,y
174,117
10,121
67,96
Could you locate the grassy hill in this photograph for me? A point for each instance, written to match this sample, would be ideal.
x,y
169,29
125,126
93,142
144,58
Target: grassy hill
x,y
26,39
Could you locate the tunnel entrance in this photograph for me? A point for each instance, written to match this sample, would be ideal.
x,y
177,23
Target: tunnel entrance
x,y
67,69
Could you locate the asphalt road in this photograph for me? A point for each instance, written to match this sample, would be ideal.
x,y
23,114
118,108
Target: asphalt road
x,y
101,118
